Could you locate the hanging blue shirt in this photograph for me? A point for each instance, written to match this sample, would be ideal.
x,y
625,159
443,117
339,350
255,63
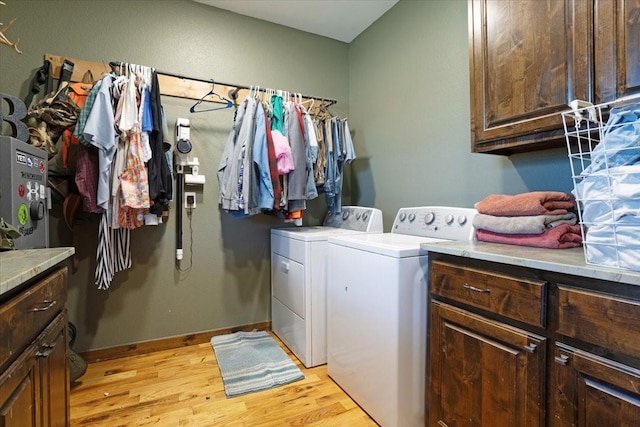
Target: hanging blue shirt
x,y
266,196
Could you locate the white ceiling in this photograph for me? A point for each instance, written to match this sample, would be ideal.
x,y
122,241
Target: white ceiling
x,y
341,20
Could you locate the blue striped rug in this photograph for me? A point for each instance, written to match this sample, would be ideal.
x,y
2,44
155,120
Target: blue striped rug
x,y
252,361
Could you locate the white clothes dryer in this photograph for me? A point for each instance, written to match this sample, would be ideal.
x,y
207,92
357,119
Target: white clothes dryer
x,y
377,311
298,279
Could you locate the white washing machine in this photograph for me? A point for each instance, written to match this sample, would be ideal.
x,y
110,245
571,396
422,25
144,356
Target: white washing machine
x,y
298,279
377,311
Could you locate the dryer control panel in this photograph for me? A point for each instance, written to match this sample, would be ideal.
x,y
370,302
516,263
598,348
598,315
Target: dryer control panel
x,y
449,223
356,218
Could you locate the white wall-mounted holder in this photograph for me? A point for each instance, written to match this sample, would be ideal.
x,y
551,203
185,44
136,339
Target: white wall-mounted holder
x,y
194,178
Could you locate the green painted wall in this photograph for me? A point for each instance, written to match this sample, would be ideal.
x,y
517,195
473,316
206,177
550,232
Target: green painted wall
x,y
229,282
409,99
404,84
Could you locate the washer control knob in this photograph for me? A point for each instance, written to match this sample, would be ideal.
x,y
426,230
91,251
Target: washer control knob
x,y
402,216
429,218
462,220
449,219
345,215
412,217
358,215
365,216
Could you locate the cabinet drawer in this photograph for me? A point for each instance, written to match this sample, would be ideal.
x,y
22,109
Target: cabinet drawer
x,y
23,317
523,300
599,319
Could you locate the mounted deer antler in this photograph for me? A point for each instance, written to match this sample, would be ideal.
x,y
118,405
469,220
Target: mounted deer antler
x,y
4,39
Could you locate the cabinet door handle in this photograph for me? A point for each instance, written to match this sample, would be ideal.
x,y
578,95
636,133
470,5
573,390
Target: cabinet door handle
x,y
49,303
474,289
48,348
531,347
563,359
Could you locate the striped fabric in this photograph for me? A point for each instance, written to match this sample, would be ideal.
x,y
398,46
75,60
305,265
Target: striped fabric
x,y
113,253
104,264
252,361
120,249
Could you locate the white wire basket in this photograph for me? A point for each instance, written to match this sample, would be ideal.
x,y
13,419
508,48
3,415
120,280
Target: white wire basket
x,y
603,144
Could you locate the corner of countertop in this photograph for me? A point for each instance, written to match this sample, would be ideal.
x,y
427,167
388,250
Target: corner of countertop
x,y
18,266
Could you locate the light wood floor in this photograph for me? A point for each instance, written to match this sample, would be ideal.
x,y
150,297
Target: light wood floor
x,y
183,387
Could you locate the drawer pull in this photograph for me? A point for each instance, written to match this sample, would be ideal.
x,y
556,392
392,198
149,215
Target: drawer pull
x,y
563,359
48,348
49,303
474,289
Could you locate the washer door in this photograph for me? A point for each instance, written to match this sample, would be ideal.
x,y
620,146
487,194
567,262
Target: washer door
x,y
288,283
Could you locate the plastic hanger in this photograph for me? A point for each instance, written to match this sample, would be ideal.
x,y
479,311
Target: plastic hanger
x,y
302,102
254,92
211,92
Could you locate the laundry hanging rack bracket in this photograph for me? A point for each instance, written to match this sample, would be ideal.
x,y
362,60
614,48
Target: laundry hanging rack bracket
x,y
174,85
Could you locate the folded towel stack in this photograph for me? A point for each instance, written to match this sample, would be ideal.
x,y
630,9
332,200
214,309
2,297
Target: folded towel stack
x,y
540,218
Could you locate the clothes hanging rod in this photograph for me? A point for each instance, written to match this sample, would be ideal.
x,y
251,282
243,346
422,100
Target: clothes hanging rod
x,y
329,101
171,84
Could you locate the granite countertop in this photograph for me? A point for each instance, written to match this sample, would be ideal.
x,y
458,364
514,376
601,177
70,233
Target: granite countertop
x,y
16,267
568,261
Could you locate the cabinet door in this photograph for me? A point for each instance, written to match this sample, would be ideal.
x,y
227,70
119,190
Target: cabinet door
x,y
483,373
589,390
20,392
54,373
617,49
528,60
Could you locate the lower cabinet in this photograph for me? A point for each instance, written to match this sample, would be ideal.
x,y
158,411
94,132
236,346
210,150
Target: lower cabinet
x,y
602,389
20,392
34,390
513,346
53,369
589,390
34,386
484,372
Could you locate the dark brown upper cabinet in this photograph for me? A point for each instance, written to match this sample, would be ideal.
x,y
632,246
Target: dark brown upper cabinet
x,y
529,59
